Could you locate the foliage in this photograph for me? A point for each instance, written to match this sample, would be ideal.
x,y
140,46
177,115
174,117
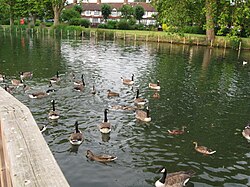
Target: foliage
x,y
123,24
106,11
139,12
127,11
80,22
111,24
78,8
69,14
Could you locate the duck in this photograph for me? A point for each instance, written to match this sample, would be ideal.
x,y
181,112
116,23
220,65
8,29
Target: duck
x,y
156,94
203,149
138,100
76,138
16,82
105,126
112,94
53,114
55,78
177,131
155,86
100,158
142,115
2,77
38,95
24,75
128,81
79,88
79,82
246,132
175,179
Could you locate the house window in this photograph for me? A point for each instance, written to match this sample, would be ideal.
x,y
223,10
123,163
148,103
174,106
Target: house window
x,y
87,12
114,12
95,20
96,13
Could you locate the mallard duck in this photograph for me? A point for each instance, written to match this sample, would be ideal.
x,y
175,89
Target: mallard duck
x,y
176,179
156,94
2,77
246,132
100,158
203,149
53,114
55,78
155,86
79,82
112,94
79,88
105,126
39,95
128,81
138,100
24,75
76,138
177,131
16,82
142,115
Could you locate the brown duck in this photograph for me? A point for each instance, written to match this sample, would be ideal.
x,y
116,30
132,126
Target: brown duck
x,y
100,158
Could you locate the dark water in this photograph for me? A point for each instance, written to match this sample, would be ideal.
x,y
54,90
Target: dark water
x,y
206,90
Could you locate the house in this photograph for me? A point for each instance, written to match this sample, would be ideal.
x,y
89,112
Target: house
x,y
92,10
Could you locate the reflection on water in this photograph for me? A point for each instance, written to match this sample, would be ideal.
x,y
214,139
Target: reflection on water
x,y
205,90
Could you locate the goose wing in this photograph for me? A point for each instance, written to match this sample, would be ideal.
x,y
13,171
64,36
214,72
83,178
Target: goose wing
x,y
140,114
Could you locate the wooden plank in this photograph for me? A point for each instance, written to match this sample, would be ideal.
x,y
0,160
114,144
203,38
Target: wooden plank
x,y
30,161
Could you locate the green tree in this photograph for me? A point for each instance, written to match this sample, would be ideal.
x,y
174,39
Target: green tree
x,y
69,14
106,11
57,6
78,8
139,12
127,11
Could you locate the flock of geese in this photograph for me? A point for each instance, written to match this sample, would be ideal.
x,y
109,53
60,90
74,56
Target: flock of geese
x,y
176,179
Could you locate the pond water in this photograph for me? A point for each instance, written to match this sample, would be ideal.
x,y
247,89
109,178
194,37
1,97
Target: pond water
x,y
205,89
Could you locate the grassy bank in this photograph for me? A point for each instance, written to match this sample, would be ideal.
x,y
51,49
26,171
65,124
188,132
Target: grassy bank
x,y
136,35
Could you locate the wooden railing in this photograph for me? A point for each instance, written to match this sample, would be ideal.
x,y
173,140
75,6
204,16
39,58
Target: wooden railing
x,y
26,159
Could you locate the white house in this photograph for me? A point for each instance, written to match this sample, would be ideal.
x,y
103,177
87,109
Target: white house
x,y
92,10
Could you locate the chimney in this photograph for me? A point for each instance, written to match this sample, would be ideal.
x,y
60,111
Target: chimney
x,y
125,1
99,1
75,2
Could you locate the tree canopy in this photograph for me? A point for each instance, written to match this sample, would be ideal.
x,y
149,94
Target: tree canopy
x,y
106,11
139,12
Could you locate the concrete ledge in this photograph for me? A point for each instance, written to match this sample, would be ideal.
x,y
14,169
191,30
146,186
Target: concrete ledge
x,y
26,159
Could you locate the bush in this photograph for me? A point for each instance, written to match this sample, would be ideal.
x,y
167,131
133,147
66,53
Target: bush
x,y
123,25
193,30
69,14
79,22
102,26
111,24
140,26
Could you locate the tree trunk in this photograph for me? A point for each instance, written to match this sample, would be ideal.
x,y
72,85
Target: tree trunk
x,y
56,17
209,20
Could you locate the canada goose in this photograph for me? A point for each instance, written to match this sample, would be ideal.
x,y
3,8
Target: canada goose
x,y
79,88
105,126
203,149
176,179
112,94
93,91
156,94
177,131
2,77
100,158
155,86
39,95
53,114
9,89
76,138
246,132
16,82
138,100
55,78
128,81
142,115
43,128
25,87
79,82
24,75
244,63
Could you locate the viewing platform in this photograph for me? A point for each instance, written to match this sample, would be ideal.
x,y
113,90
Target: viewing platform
x,y
26,159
